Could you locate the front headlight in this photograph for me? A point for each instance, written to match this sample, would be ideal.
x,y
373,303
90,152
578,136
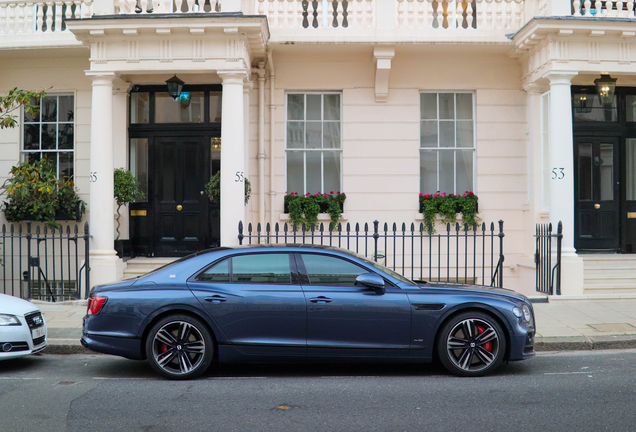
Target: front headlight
x,y
9,320
523,313
527,315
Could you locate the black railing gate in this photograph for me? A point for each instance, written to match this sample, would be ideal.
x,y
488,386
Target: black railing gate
x,y
548,276
45,264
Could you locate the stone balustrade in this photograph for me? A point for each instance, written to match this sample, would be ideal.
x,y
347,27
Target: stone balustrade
x,y
24,16
166,6
605,9
410,14
293,18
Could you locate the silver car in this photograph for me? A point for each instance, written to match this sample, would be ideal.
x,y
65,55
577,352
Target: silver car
x,y
22,328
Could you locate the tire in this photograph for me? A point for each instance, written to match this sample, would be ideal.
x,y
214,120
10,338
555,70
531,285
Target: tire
x,y
179,347
471,344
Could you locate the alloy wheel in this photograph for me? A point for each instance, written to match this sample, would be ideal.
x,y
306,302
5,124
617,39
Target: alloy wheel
x,y
473,345
178,348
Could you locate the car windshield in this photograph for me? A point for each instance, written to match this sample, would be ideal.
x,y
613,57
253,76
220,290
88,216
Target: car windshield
x,y
383,268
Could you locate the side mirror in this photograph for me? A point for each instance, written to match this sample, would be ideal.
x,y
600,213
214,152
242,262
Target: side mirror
x,y
373,281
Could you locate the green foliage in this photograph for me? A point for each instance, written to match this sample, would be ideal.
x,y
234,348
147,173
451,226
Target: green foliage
x,y
35,193
13,100
126,188
305,208
448,206
213,188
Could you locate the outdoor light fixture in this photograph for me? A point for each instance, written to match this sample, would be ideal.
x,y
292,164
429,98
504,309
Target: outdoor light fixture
x,y
582,102
175,85
605,86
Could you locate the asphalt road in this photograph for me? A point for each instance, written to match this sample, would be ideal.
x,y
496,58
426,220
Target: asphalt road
x,y
569,391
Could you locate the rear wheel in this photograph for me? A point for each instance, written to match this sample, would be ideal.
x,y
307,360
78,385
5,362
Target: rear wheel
x,y
471,344
179,347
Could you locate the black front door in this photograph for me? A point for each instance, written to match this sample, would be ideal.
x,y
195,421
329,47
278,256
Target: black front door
x,y
597,193
180,206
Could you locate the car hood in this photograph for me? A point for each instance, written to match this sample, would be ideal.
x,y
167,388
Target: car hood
x,y
15,306
462,288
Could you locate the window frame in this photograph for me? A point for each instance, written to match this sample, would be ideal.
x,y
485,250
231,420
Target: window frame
x,y
304,150
292,269
453,149
23,123
304,274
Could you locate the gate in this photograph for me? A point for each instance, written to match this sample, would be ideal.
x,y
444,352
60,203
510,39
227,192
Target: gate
x,y
49,264
462,254
548,276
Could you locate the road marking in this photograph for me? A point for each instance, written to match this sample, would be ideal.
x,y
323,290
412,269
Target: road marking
x,y
20,378
567,373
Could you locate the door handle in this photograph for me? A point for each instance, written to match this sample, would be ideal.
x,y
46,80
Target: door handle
x,y
320,299
179,207
215,299
597,206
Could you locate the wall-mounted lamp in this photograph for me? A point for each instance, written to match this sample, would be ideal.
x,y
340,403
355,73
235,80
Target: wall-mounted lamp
x,y
605,86
175,85
583,100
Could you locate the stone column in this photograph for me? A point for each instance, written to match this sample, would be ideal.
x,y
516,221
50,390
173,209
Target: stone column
x,y
534,92
232,157
562,177
105,265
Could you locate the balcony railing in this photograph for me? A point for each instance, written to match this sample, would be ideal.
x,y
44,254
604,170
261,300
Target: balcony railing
x,y
23,17
324,15
166,6
604,9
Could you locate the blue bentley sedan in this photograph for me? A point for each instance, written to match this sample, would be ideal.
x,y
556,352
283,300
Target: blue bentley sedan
x,y
303,303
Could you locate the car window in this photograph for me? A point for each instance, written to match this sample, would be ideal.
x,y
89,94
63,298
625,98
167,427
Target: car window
x,y
261,268
329,270
219,272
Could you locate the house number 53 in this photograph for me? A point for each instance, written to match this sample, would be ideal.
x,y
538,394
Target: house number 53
x,y
558,173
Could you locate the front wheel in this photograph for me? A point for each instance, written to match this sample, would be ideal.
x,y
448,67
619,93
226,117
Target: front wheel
x,y
471,344
179,347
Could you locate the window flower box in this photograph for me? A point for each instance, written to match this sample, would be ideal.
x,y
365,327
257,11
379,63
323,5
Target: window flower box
x,y
448,206
305,208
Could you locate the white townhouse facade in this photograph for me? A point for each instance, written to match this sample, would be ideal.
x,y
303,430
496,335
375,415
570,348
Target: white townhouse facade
x,y
380,99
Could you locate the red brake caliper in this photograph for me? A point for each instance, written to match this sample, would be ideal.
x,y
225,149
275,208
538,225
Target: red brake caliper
x,y
164,348
488,345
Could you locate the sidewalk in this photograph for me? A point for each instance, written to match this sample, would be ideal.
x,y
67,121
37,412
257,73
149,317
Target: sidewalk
x,y
561,325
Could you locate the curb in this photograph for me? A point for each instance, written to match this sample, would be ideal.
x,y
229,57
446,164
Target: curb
x,y
582,343
66,346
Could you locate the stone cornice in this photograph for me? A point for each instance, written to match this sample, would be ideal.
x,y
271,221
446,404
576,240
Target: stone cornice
x,y
588,46
136,27
540,28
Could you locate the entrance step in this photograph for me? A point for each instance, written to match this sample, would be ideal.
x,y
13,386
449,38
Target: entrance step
x,y
140,266
609,273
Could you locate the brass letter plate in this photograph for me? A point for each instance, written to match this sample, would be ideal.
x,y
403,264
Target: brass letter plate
x,y
631,215
143,213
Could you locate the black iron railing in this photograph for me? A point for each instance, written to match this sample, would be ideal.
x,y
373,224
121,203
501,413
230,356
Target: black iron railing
x,y
44,263
548,276
459,254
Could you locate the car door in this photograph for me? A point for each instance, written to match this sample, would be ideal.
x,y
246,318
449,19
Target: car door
x,y
256,303
345,319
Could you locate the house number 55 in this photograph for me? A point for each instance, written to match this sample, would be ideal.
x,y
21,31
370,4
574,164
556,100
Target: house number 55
x,y
239,177
558,173
93,177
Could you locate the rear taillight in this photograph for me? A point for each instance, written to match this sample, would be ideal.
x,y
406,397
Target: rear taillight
x,y
95,304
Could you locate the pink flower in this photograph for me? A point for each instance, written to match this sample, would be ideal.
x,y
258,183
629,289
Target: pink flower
x,y
421,194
